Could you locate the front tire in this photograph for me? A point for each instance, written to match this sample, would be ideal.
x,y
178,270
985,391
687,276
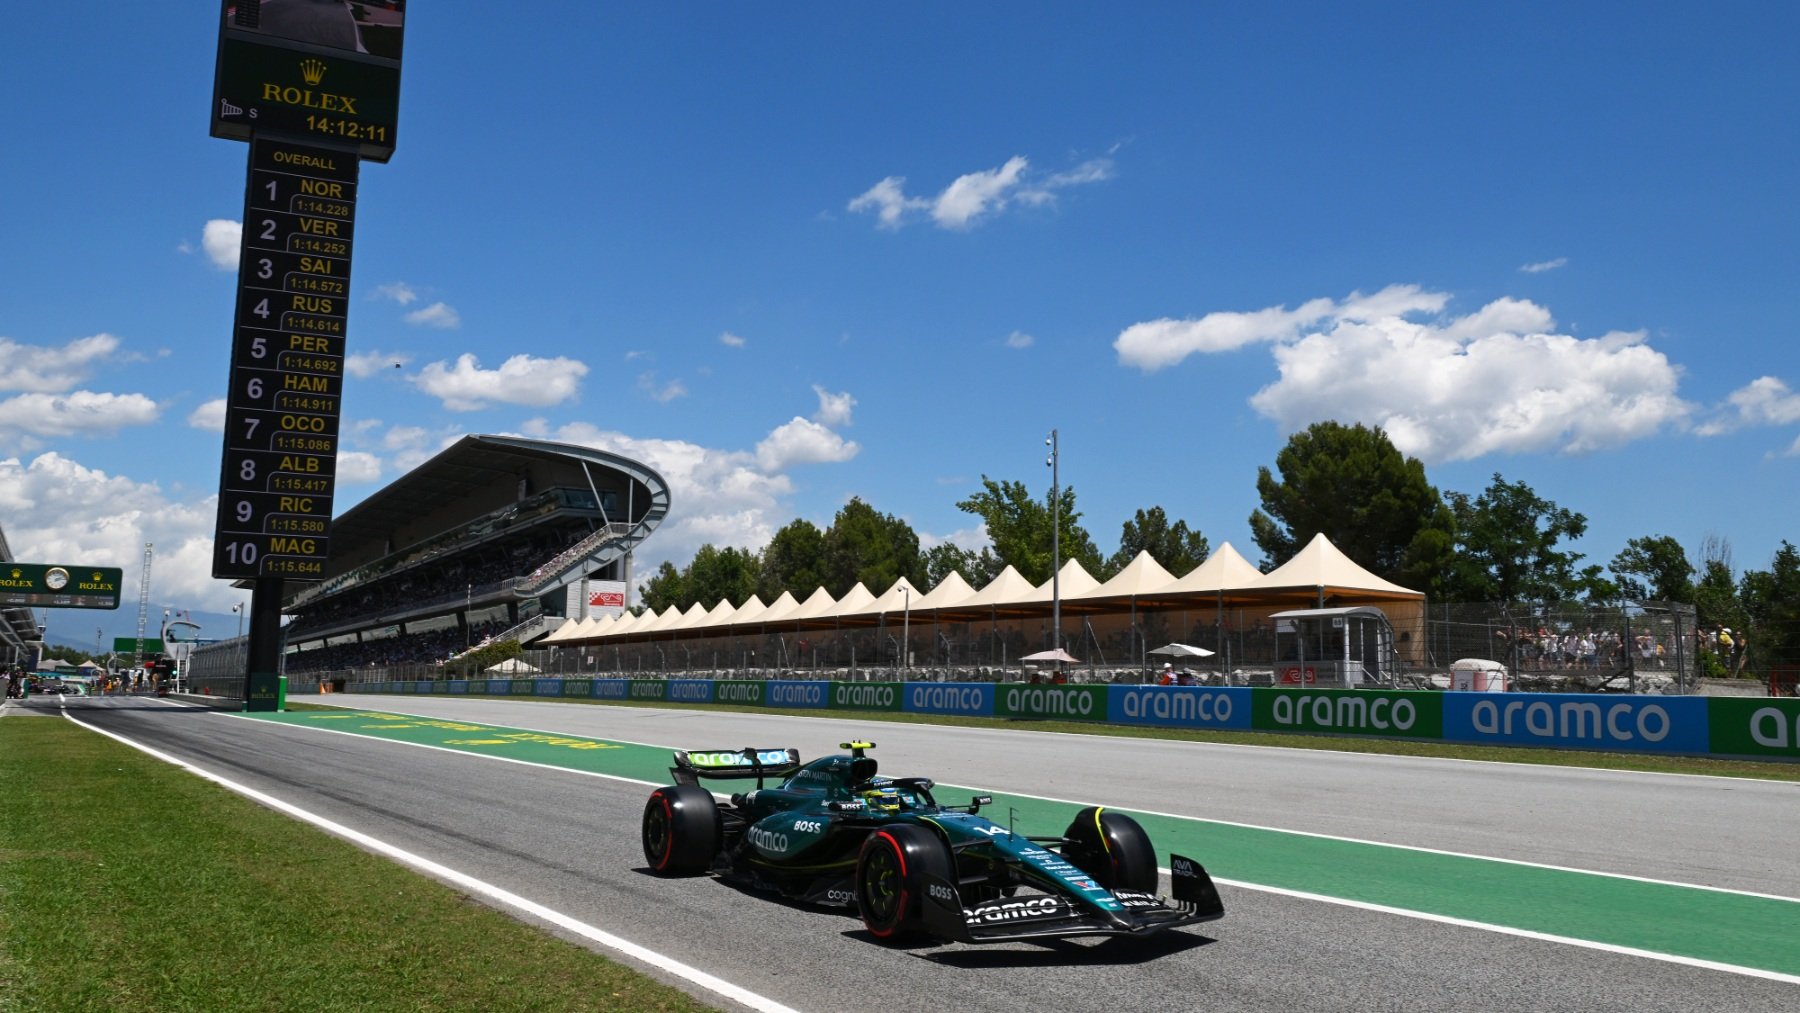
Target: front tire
x,y
890,875
682,830
1112,848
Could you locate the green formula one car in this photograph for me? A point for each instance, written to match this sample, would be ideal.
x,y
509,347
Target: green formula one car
x,y
833,833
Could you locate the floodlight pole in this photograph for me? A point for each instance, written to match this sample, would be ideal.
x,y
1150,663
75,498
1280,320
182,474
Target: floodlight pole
x,y
906,629
1055,543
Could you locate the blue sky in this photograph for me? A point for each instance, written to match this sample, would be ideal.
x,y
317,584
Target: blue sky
x,y
790,254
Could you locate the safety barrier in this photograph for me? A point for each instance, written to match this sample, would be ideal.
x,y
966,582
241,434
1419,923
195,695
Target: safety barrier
x,y
1762,727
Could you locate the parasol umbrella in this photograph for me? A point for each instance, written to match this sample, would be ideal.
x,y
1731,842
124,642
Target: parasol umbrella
x,y
1183,651
1057,655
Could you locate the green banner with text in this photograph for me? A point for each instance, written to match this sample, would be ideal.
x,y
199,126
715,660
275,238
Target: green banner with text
x,y
868,696
1754,726
1403,714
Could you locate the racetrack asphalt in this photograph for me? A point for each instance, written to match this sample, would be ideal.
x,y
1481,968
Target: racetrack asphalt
x,y
570,842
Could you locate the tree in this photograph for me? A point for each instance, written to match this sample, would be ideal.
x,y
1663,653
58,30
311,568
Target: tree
x,y
729,573
666,587
712,574
976,567
1507,540
1351,484
1716,592
1655,568
1771,601
1175,547
871,548
1020,525
794,560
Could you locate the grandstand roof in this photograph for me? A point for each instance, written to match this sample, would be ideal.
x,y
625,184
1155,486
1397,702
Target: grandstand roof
x,y
473,463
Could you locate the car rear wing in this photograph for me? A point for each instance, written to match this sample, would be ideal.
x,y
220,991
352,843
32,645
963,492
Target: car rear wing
x,y
734,764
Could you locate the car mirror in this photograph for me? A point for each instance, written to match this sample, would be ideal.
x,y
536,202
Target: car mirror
x,y
978,801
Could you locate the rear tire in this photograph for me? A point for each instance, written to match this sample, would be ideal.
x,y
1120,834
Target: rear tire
x,y
1113,849
682,830
890,875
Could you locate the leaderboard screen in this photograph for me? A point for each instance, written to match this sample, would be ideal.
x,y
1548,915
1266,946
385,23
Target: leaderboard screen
x,y
320,68
287,363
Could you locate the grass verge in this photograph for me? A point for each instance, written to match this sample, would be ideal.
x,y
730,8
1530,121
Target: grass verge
x,y
1772,770
126,883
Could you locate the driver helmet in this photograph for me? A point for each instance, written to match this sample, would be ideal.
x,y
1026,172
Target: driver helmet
x,y
882,798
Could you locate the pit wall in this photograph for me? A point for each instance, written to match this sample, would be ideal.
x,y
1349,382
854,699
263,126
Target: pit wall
x,y
1763,728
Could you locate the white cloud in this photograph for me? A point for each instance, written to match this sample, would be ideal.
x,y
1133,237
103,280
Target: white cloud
x,y
726,497
718,496
57,509
520,380
1544,265
970,539
79,413
1155,344
661,393
221,238
51,369
209,416
438,314
889,201
834,409
1019,339
802,441
397,291
1444,396
1764,401
357,467
363,365
1498,380
975,195
731,340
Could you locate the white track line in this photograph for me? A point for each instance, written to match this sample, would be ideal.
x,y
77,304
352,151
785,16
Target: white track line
x,y
657,960
1168,815
1404,847
1588,944
1672,958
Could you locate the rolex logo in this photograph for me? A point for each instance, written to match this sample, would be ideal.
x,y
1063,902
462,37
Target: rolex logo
x,y
16,572
312,70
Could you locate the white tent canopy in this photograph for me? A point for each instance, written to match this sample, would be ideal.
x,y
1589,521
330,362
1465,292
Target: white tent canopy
x,y
1183,651
1319,568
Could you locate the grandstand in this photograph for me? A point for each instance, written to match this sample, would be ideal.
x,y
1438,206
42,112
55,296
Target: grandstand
x,y
494,538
